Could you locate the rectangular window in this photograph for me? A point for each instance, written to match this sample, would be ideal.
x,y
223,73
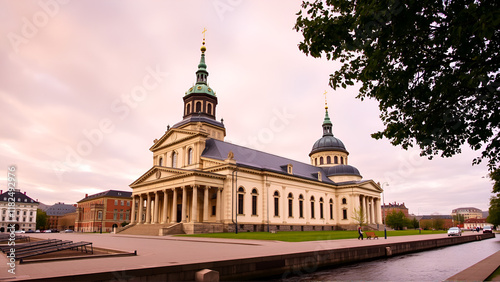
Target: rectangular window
x,y
301,208
276,206
126,217
31,213
128,203
331,211
99,215
240,203
290,208
213,210
116,202
321,210
24,212
122,202
344,214
312,209
115,214
254,205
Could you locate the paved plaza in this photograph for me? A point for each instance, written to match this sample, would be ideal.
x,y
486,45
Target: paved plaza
x,y
154,251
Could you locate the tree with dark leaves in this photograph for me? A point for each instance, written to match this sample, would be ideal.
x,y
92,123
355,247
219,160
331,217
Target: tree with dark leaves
x,y
433,66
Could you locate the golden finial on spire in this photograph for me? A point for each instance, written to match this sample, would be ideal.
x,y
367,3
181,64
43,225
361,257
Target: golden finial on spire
x,y
326,104
203,48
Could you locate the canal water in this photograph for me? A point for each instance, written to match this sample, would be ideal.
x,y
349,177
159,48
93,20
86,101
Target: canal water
x,y
435,265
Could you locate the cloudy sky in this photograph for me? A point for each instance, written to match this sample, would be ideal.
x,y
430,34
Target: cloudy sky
x,y
86,86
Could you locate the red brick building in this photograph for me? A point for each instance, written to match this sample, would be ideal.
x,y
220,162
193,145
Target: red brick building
x,y
387,209
57,211
103,210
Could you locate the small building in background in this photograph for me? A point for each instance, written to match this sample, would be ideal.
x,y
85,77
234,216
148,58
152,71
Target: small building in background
x,y
103,211
22,213
473,223
391,207
436,222
467,212
56,212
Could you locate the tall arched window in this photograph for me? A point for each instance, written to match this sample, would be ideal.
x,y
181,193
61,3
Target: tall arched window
x,y
331,209
315,161
276,203
344,201
320,160
344,214
342,160
336,159
301,206
328,160
160,162
241,194
198,107
190,156
290,205
321,215
174,159
209,109
312,207
254,201
188,109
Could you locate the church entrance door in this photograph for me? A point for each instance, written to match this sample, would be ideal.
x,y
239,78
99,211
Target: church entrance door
x,y
179,212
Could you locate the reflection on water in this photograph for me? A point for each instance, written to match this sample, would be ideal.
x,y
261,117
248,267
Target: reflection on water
x,y
434,265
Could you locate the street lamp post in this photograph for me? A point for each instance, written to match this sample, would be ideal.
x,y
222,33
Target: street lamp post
x,y
383,216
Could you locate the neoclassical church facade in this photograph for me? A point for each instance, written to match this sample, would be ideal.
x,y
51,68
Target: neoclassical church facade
x,y
200,183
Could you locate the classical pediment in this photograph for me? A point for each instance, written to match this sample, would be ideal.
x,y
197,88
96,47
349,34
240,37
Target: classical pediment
x,y
158,173
174,136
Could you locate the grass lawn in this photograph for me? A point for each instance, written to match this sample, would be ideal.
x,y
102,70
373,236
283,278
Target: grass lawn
x,y
300,236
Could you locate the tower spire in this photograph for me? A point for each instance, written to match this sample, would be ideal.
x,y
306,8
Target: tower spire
x,y
327,124
201,73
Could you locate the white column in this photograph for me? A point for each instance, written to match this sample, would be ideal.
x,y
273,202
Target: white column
x,y
148,209
218,209
205,204
132,214
174,206
184,204
165,206
156,209
194,204
141,208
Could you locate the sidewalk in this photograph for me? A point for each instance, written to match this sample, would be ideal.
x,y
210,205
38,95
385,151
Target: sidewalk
x,y
154,251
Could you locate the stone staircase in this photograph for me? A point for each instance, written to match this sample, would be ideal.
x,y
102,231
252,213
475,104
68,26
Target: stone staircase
x,y
144,229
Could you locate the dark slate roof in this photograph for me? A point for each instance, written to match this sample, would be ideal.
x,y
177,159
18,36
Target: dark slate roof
x,y
436,216
20,197
341,170
109,193
328,143
247,157
60,209
199,118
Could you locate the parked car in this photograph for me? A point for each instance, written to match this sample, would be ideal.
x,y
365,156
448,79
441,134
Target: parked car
x,y
454,231
47,231
37,231
487,229
30,231
19,231
68,231
55,231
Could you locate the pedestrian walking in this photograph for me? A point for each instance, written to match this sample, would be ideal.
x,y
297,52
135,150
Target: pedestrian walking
x,y
360,232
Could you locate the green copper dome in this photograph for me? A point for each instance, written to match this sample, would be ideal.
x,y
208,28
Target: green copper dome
x,y
200,88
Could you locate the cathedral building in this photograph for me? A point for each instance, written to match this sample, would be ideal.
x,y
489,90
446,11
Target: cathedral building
x,y
199,183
